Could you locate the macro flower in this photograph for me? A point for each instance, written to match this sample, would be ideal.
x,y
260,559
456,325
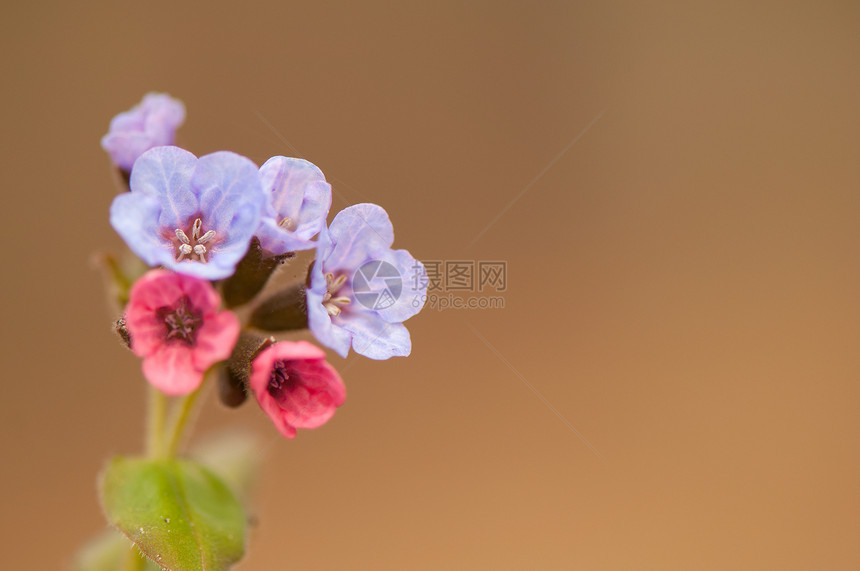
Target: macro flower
x,y
299,199
175,326
151,123
295,386
360,289
194,216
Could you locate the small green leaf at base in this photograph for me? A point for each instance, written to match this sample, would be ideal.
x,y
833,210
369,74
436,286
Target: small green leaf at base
x,y
176,511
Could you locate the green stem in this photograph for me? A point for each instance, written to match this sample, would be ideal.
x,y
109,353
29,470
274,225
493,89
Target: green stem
x,y
155,423
181,414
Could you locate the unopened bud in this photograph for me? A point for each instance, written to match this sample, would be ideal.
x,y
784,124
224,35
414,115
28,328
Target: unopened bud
x,y
122,330
251,275
233,378
283,311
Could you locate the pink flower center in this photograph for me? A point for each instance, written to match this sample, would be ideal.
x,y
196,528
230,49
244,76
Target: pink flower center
x,y
193,248
284,377
181,322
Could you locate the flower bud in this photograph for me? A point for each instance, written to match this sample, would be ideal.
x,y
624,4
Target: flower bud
x,y
251,275
122,330
151,123
233,378
283,311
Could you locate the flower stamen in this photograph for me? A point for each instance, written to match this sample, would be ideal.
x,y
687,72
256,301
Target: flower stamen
x,y
331,301
184,250
281,377
287,224
200,252
206,237
195,229
181,322
193,247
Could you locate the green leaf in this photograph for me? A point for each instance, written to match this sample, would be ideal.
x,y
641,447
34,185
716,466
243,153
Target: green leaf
x,y
177,512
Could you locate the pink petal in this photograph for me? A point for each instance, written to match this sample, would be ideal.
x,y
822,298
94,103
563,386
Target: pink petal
x,y
215,339
314,418
147,332
171,370
201,295
309,404
273,411
155,289
261,368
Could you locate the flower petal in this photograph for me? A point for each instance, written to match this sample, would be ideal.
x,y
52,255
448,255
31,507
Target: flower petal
x,y
231,202
208,271
151,123
283,180
276,414
200,293
152,291
171,370
357,232
156,289
276,240
296,189
226,182
320,324
215,339
314,210
125,147
135,218
165,174
413,286
310,400
149,331
318,375
163,115
374,338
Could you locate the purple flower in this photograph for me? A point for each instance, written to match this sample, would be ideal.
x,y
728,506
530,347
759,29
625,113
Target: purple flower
x,y
361,290
194,216
151,123
299,200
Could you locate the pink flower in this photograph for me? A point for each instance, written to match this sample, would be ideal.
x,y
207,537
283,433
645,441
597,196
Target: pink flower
x,y
175,327
295,386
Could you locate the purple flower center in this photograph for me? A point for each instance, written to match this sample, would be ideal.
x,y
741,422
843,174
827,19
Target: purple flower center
x,y
193,247
284,377
181,322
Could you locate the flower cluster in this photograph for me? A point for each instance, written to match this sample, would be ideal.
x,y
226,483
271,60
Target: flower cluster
x,y
219,223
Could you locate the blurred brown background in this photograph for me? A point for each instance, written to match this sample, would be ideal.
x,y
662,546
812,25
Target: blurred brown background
x,y
682,280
